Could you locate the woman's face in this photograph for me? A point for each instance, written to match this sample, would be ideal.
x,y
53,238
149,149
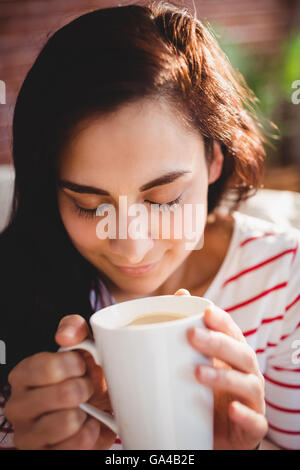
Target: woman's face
x,y
126,154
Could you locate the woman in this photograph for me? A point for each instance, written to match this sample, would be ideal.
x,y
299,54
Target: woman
x,y
141,102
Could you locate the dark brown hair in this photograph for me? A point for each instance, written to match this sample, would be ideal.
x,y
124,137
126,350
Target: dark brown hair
x,y
191,70
94,65
161,51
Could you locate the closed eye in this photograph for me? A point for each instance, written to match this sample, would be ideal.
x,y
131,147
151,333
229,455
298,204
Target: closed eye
x,y
91,213
169,205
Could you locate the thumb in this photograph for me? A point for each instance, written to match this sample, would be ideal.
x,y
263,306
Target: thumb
x,y
182,292
72,329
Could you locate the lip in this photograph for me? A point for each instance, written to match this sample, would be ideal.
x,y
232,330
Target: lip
x,y
139,270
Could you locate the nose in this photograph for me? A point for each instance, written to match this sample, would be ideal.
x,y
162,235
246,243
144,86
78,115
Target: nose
x,y
133,251
134,247
132,239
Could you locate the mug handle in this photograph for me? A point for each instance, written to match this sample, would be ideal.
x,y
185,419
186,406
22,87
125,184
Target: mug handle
x,y
89,346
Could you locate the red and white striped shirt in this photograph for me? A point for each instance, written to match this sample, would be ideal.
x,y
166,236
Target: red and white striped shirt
x,y
259,285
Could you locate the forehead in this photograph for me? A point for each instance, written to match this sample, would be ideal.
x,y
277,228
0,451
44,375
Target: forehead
x,y
139,142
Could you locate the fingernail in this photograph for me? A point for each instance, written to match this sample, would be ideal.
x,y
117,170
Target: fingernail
x,y
67,330
182,292
207,373
201,335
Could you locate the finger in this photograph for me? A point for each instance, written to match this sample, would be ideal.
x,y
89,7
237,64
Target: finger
x,y
72,329
248,387
252,423
217,319
182,292
59,426
218,345
46,368
38,401
50,429
85,439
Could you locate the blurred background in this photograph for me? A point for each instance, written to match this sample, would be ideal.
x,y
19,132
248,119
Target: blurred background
x,y
260,37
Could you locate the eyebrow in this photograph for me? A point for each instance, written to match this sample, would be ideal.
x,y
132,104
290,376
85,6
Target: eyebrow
x,y
83,189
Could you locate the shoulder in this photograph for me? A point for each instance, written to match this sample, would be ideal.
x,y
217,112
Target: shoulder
x,y
258,238
262,269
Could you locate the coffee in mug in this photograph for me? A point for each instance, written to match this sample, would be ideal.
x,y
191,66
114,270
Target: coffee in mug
x,y
155,318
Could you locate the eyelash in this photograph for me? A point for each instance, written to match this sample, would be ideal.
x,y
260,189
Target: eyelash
x,y
91,213
88,213
168,205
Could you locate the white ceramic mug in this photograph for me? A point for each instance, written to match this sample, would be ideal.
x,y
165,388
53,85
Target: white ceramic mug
x,y
150,373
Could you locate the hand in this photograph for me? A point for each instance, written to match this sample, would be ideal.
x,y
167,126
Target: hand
x,y
237,383
47,388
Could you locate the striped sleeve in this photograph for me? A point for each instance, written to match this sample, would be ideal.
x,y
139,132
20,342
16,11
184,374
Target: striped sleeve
x,y
282,373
